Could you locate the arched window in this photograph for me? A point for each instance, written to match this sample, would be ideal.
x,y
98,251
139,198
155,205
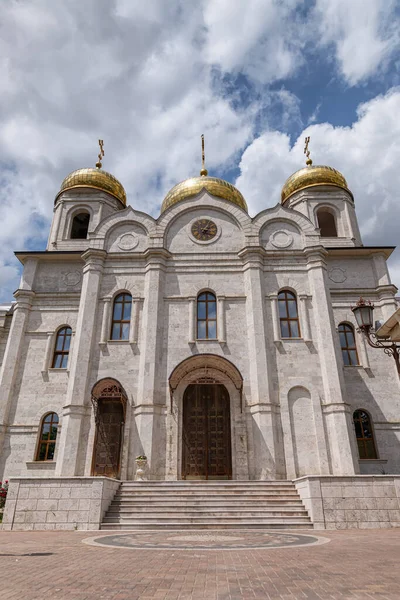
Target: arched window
x,y
348,345
80,226
206,316
61,349
121,320
288,315
326,223
364,434
47,438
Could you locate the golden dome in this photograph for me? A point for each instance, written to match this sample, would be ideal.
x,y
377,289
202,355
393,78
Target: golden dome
x,y
96,179
312,176
194,185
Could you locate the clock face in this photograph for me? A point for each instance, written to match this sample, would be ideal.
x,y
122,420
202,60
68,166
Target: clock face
x,y
204,230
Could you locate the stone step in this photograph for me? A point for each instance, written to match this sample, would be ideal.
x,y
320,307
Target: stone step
x,y
226,512
205,519
190,503
209,482
203,494
220,525
221,504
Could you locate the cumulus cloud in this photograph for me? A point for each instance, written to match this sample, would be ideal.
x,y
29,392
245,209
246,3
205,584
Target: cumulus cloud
x,y
148,78
367,153
364,33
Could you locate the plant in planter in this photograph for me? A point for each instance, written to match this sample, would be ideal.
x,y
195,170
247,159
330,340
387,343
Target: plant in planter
x,y
141,464
3,493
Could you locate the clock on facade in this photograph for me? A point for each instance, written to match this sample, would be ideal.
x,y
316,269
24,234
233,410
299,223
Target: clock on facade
x,y
204,230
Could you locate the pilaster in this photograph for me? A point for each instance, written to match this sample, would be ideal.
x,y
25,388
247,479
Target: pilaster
x,y
12,355
336,411
263,407
79,366
150,376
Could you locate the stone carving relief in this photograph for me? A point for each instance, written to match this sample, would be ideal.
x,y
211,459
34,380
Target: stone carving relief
x,y
127,241
337,275
281,239
71,278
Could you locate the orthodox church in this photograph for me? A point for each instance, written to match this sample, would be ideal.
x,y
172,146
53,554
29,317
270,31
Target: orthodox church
x,y
218,345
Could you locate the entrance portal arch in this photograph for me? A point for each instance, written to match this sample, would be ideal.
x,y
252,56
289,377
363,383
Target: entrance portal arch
x,y
109,403
209,435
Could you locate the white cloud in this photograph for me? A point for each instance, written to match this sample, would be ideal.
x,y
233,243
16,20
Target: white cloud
x,y
367,153
148,78
365,34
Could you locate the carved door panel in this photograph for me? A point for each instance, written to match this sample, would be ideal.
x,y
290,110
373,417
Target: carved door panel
x,y
107,447
206,433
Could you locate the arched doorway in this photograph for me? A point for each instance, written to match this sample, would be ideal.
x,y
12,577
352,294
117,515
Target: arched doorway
x,y
206,432
209,438
109,403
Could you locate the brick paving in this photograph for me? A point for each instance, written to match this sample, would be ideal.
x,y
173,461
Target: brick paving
x,y
355,564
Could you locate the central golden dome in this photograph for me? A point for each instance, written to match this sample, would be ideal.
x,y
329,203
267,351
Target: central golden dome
x,y
194,185
312,176
94,178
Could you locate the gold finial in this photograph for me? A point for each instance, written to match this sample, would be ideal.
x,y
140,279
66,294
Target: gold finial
x,y
307,152
101,154
203,171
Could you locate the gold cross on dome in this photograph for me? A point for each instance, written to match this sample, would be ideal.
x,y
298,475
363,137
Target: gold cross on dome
x,y
203,157
307,151
100,155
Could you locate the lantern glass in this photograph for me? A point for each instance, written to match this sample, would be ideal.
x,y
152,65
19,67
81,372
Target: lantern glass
x,y
364,315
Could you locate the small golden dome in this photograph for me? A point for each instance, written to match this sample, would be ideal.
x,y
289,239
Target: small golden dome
x,y
96,179
213,185
312,176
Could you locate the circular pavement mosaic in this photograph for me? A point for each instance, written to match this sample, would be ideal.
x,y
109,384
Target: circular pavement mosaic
x,y
205,540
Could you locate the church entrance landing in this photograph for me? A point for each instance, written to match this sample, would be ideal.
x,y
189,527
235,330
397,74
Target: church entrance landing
x,y
206,432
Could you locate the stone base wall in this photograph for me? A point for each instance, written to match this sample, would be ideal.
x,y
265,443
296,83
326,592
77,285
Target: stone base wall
x,y
57,503
359,501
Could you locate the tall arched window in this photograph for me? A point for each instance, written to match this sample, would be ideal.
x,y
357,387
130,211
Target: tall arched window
x,y
121,320
326,223
206,316
61,348
80,226
288,315
348,344
47,437
364,434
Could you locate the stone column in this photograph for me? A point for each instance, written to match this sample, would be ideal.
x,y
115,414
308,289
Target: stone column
x,y
105,323
77,401
134,326
12,355
274,312
192,320
47,353
303,314
58,209
336,410
221,320
268,447
152,381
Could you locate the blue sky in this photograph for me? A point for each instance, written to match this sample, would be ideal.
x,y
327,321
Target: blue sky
x,y
255,76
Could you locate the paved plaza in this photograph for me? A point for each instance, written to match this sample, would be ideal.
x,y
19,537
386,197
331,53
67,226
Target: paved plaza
x,y
355,564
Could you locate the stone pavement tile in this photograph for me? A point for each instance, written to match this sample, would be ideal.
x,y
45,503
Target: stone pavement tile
x,y
355,565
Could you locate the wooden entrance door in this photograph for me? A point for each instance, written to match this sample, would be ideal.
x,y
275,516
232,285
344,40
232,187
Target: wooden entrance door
x,y
206,433
109,433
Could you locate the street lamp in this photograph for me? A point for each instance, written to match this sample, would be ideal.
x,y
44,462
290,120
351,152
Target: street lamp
x,y
363,312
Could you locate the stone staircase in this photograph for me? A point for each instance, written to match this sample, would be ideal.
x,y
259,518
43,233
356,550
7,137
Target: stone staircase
x,y
206,505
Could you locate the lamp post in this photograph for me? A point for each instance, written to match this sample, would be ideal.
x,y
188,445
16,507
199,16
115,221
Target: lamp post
x,y
363,312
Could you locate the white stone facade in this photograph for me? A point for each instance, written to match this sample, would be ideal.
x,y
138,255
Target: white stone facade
x,y
292,414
